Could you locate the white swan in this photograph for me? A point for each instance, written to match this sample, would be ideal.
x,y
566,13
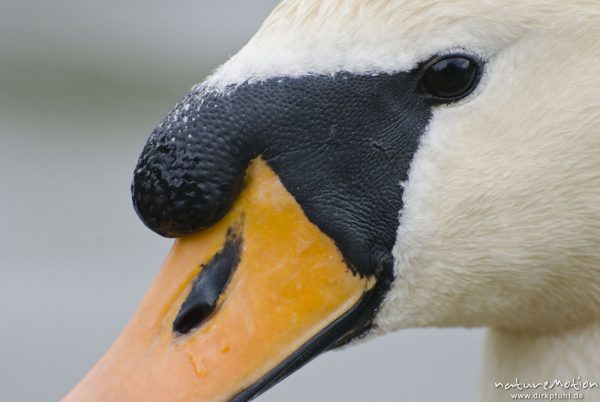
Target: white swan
x,y
499,224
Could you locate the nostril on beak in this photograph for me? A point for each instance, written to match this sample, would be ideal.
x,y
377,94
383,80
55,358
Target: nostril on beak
x,y
191,318
208,287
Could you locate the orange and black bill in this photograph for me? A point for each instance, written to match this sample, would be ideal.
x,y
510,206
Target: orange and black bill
x,y
236,307
284,195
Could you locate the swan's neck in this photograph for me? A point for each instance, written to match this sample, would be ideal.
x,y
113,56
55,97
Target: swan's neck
x,y
572,353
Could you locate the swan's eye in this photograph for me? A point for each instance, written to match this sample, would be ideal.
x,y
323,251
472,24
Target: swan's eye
x,y
450,77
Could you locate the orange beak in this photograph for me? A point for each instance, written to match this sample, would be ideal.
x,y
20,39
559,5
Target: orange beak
x,y
234,308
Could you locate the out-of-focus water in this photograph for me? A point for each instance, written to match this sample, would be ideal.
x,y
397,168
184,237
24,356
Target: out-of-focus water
x,y
82,84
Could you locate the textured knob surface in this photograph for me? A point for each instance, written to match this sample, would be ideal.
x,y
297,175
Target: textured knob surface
x,y
191,168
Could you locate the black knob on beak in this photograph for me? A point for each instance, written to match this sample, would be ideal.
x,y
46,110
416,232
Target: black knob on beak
x,y
191,168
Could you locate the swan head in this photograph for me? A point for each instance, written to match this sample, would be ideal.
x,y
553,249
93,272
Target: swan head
x,y
360,167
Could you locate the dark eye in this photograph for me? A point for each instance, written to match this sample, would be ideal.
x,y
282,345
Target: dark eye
x,y
450,77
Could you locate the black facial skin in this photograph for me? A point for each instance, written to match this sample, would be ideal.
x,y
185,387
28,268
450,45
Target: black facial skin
x,y
340,144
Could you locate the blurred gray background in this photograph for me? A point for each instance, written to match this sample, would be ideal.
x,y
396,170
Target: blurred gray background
x,y
82,84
